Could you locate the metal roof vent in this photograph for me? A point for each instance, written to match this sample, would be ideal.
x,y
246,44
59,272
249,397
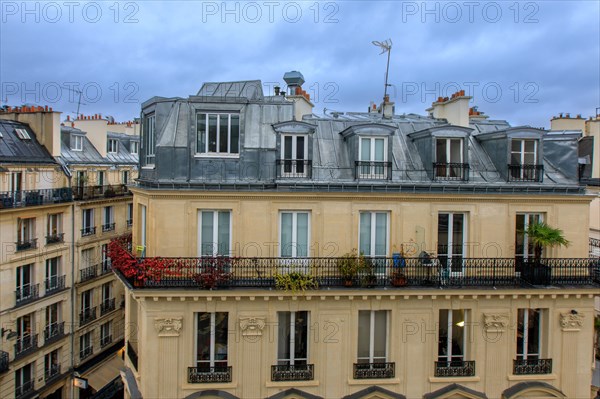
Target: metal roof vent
x,y
293,78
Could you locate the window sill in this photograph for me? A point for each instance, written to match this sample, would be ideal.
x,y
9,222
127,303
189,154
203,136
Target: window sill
x,y
531,377
149,167
374,381
454,379
284,384
217,155
213,385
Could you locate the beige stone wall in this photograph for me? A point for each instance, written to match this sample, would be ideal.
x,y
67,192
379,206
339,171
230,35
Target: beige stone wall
x,y
172,219
165,355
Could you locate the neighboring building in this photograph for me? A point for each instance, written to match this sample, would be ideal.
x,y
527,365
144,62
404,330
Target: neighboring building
x,y
242,194
64,197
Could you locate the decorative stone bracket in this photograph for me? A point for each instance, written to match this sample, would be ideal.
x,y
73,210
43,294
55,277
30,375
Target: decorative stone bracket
x,y
252,326
571,322
495,322
168,327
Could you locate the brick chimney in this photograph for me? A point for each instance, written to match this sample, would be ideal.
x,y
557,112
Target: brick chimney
x,y
454,109
44,122
301,99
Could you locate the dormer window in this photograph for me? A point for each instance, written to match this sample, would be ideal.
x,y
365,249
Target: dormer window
x,y
77,143
449,160
372,162
149,138
524,161
294,151
218,134
112,145
135,147
22,134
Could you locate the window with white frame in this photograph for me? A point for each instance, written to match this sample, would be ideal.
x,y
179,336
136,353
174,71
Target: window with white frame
x,y
87,258
52,318
77,143
51,364
85,345
214,236
149,138
52,273
87,300
451,240
105,258
218,133
211,340
373,158
449,158
16,182
24,282
523,152
106,292
372,336
112,146
294,235
524,249
529,334
22,134
129,214
452,333
26,230
105,334
24,380
292,333
108,222
54,225
125,177
373,236
87,223
294,154
135,147
25,327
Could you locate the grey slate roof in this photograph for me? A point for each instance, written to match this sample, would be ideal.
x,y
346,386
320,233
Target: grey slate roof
x,y
15,150
89,154
249,89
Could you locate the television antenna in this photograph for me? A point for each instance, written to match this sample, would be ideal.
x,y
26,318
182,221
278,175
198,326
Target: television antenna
x,y
386,47
79,103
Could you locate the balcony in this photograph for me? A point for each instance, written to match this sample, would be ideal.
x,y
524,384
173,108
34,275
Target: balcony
x,y
54,332
451,171
129,223
296,372
30,243
55,238
532,366
205,375
132,355
51,373
594,245
3,361
441,272
455,368
87,193
105,341
108,305
25,345
86,352
88,231
372,170
293,168
108,227
525,173
54,284
26,294
87,315
24,390
26,198
88,273
363,371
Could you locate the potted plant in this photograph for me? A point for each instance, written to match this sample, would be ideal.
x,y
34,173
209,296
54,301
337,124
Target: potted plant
x,y
109,192
295,281
368,278
398,278
349,265
541,235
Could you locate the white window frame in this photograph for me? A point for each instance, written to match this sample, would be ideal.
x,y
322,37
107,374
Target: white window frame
x,y
205,151
372,170
371,359
450,254
106,292
448,149
21,284
522,151
87,298
105,331
373,235
215,232
523,352
135,148
125,177
294,232
54,223
108,215
84,212
449,356
53,314
22,133
212,343
52,263
293,161
112,146
150,139
526,216
26,229
292,360
77,143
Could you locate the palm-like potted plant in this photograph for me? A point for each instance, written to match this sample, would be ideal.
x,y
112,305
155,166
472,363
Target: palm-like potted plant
x,y
541,235
349,265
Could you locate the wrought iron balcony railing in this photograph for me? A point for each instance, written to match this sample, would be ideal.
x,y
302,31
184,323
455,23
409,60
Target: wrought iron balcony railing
x,y
132,355
86,193
108,227
55,238
54,284
450,171
293,168
526,173
374,370
54,332
87,315
86,352
532,366
26,294
105,341
594,247
24,390
203,375
108,305
25,198
455,368
24,245
51,372
373,170
442,272
88,231
296,372
3,361
88,273
25,345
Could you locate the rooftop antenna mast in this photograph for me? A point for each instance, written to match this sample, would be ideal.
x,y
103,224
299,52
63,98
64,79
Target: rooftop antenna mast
x,y
79,103
386,46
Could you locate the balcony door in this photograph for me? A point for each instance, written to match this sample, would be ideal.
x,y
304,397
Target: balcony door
x,y
451,242
373,156
294,238
294,150
524,250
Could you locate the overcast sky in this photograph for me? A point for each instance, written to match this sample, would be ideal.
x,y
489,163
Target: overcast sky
x,y
521,61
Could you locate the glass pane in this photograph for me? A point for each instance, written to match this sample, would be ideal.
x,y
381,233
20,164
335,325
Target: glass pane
x,y
533,341
223,233
235,134
283,334
380,234
302,234
520,332
458,334
207,233
203,343
212,133
287,147
221,319
300,147
440,151
530,159
380,334
443,336
223,133
520,236
379,150
515,145
455,151
365,149
364,332
364,245
515,158
301,337
201,135
443,219
286,235
458,220
529,145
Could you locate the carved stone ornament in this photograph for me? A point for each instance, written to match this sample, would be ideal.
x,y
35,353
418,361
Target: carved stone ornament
x,y
571,322
252,326
495,322
168,327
